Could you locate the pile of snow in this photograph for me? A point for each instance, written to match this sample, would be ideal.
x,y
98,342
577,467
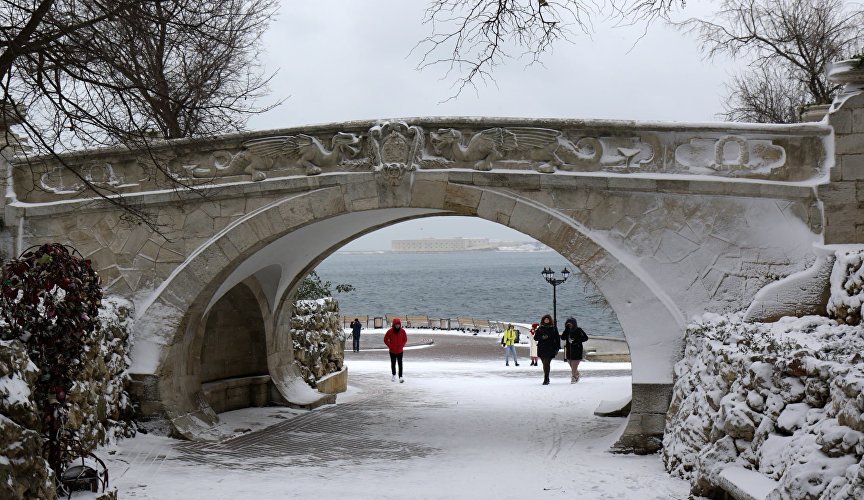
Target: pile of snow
x,y
782,399
319,342
847,287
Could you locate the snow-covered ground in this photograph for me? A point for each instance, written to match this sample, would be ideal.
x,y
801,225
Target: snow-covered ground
x,y
452,430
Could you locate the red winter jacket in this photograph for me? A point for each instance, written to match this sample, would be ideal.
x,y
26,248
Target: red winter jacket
x,y
397,339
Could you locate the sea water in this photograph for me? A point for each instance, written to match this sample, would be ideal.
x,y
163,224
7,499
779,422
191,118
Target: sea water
x,y
491,285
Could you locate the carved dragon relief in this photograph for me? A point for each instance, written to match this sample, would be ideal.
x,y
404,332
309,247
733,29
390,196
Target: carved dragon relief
x,y
393,148
260,155
549,149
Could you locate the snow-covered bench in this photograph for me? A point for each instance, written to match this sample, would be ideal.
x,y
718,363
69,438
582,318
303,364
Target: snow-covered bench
x,y
745,484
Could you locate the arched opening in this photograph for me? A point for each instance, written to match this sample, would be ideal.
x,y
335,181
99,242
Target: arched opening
x,y
294,234
233,360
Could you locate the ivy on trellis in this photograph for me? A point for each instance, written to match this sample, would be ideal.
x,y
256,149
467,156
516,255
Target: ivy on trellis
x,y
50,301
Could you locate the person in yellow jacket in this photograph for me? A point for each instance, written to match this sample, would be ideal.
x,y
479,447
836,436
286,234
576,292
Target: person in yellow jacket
x,y
509,343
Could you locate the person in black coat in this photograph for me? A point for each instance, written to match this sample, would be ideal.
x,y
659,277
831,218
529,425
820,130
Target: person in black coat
x,y
573,337
548,344
356,326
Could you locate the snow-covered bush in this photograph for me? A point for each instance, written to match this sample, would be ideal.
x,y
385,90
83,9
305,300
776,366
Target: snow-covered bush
x,y
847,287
319,341
784,399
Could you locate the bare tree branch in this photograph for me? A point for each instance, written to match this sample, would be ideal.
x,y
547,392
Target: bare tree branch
x,y
469,38
791,41
129,72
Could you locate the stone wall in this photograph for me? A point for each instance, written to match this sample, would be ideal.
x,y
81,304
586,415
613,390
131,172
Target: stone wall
x,y
100,409
783,399
319,341
235,343
843,196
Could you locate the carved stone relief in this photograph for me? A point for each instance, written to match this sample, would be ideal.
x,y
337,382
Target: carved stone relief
x,y
260,155
731,155
396,148
61,180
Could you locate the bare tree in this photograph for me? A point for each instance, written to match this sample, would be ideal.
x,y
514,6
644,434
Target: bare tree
x,y
471,37
789,44
126,72
765,95
191,63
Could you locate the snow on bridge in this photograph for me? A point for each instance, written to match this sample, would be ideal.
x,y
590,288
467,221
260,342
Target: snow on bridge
x,y
669,220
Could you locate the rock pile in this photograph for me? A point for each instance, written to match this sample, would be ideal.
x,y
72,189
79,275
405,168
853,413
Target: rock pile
x,y
847,287
319,342
100,408
784,399
23,471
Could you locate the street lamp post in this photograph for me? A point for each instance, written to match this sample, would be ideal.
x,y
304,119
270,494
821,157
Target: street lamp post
x,y
549,276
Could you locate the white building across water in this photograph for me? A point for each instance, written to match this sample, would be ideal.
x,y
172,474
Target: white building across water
x,y
444,245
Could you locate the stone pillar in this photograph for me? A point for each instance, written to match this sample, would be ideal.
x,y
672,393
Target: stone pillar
x,y
647,420
843,196
10,145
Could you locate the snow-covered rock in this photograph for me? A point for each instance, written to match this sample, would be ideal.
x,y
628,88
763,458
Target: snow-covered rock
x,y
782,399
847,286
23,471
100,409
319,341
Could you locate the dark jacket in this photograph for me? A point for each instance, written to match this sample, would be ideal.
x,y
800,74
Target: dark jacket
x,y
573,337
548,341
355,328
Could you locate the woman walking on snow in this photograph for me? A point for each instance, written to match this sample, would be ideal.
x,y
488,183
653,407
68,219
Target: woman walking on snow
x,y
573,337
548,344
532,352
395,338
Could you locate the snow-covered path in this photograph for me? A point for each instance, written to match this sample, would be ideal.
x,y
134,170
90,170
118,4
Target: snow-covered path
x,y
453,430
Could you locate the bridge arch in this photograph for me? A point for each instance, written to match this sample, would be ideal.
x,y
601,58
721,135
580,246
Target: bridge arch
x,y
272,248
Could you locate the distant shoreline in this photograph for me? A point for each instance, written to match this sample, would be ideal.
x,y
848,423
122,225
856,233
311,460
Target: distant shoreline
x,y
370,252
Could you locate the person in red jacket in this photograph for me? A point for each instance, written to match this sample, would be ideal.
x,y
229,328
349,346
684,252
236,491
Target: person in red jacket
x,y
395,338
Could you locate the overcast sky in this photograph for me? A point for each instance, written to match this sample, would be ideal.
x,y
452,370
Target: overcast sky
x,y
346,60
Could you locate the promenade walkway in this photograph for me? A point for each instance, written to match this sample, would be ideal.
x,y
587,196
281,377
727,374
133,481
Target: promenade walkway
x,y
455,429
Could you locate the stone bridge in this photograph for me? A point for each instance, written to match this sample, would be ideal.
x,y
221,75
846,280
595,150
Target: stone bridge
x,y
668,220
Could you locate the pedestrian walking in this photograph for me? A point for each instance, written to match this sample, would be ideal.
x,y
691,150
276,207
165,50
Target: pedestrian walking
x,y
548,344
573,337
532,350
509,343
356,326
395,338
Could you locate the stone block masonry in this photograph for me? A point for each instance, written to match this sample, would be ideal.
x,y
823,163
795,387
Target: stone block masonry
x,y
843,195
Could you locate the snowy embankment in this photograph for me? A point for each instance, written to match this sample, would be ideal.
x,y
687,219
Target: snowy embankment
x,y
780,399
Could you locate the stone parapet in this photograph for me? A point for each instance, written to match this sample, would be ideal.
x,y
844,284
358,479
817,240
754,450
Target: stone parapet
x,y
390,149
